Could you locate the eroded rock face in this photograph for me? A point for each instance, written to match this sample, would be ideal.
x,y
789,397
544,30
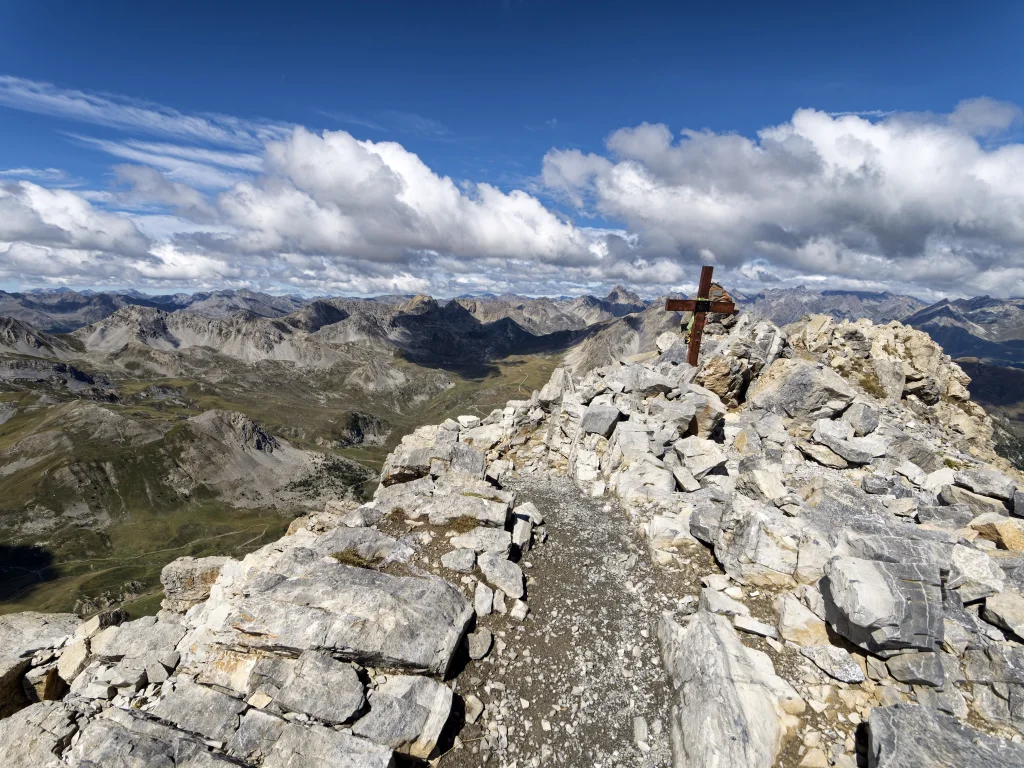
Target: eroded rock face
x,y
187,581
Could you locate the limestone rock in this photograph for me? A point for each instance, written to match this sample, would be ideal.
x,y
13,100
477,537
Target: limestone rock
x,y
907,736
862,417
483,599
987,482
834,662
884,606
201,710
800,391
1005,532
328,690
36,736
797,623
979,505
407,713
699,455
974,574
600,420
136,639
706,662
482,539
319,747
504,575
1005,610
462,560
917,669
480,643
187,581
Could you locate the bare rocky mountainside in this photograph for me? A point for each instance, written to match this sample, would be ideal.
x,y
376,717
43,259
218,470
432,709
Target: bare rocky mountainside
x,y
805,552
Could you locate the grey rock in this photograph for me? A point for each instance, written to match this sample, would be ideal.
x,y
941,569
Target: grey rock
x,y
256,735
978,504
468,460
187,581
442,509
800,391
1006,611
835,662
407,714
699,455
600,419
987,482
907,736
862,417
135,639
528,510
73,660
22,635
1018,502
706,662
119,739
462,560
504,575
917,669
884,606
483,599
201,710
522,533
759,479
319,747
754,627
480,643
482,539
718,602
821,454
322,687
357,613
956,516
839,438
904,447
474,708
974,574
709,411
36,736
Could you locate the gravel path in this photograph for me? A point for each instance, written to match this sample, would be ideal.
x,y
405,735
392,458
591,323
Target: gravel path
x,y
581,682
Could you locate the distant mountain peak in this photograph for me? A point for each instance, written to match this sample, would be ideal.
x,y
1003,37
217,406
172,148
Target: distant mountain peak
x,y
622,295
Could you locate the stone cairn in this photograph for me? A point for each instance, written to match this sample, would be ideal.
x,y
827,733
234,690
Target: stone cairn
x,y
865,605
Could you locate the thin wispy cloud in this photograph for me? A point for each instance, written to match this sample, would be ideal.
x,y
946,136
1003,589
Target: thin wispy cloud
x,y
863,113
394,121
129,114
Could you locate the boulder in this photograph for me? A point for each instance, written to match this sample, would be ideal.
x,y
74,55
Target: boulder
x,y
706,662
136,639
482,539
862,417
36,736
600,420
1005,610
1005,532
462,560
839,437
884,606
444,508
700,456
187,581
974,574
979,505
256,735
908,736
504,575
987,482
801,391
407,713
821,454
326,689
917,669
797,623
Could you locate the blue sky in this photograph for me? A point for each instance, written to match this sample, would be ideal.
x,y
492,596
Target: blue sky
x,y
529,97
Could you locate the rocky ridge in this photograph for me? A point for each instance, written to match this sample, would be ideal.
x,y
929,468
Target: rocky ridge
x,y
864,603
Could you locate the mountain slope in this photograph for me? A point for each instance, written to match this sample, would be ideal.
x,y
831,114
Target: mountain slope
x,y
989,329
787,305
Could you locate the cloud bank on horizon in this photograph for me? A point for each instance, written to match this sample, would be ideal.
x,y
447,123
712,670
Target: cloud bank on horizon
x,y
931,204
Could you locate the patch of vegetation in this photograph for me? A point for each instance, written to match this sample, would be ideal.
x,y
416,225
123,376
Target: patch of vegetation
x,y
463,524
869,383
954,464
352,558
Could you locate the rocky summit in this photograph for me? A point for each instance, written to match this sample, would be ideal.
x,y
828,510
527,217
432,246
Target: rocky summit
x,y
802,553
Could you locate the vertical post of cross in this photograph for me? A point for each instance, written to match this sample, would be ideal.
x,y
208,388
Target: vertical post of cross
x,y
697,329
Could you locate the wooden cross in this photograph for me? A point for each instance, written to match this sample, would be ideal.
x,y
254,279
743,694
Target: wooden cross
x,y
700,307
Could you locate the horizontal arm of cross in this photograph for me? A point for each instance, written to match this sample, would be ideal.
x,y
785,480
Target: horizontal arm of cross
x,y
697,305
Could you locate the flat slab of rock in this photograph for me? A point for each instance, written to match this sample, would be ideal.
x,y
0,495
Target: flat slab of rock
x,y
187,580
201,710
407,713
135,639
987,482
907,736
600,420
1006,611
320,686
319,747
443,509
35,736
835,662
801,391
482,539
706,662
503,574
357,613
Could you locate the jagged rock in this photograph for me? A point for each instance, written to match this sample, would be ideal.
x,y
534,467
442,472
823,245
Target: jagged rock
x,y
884,606
665,532
462,560
699,455
357,613
834,662
800,391
479,643
907,736
797,623
73,660
407,714
328,690
319,747
201,710
467,460
444,508
987,482
504,575
916,450
522,532
559,382
956,516
1005,532
102,620
862,417
482,539
917,669
979,505
707,662
600,420
1005,610
974,575
528,510
755,543
713,601
839,437
759,480
708,411
483,599
187,581
821,454
36,736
